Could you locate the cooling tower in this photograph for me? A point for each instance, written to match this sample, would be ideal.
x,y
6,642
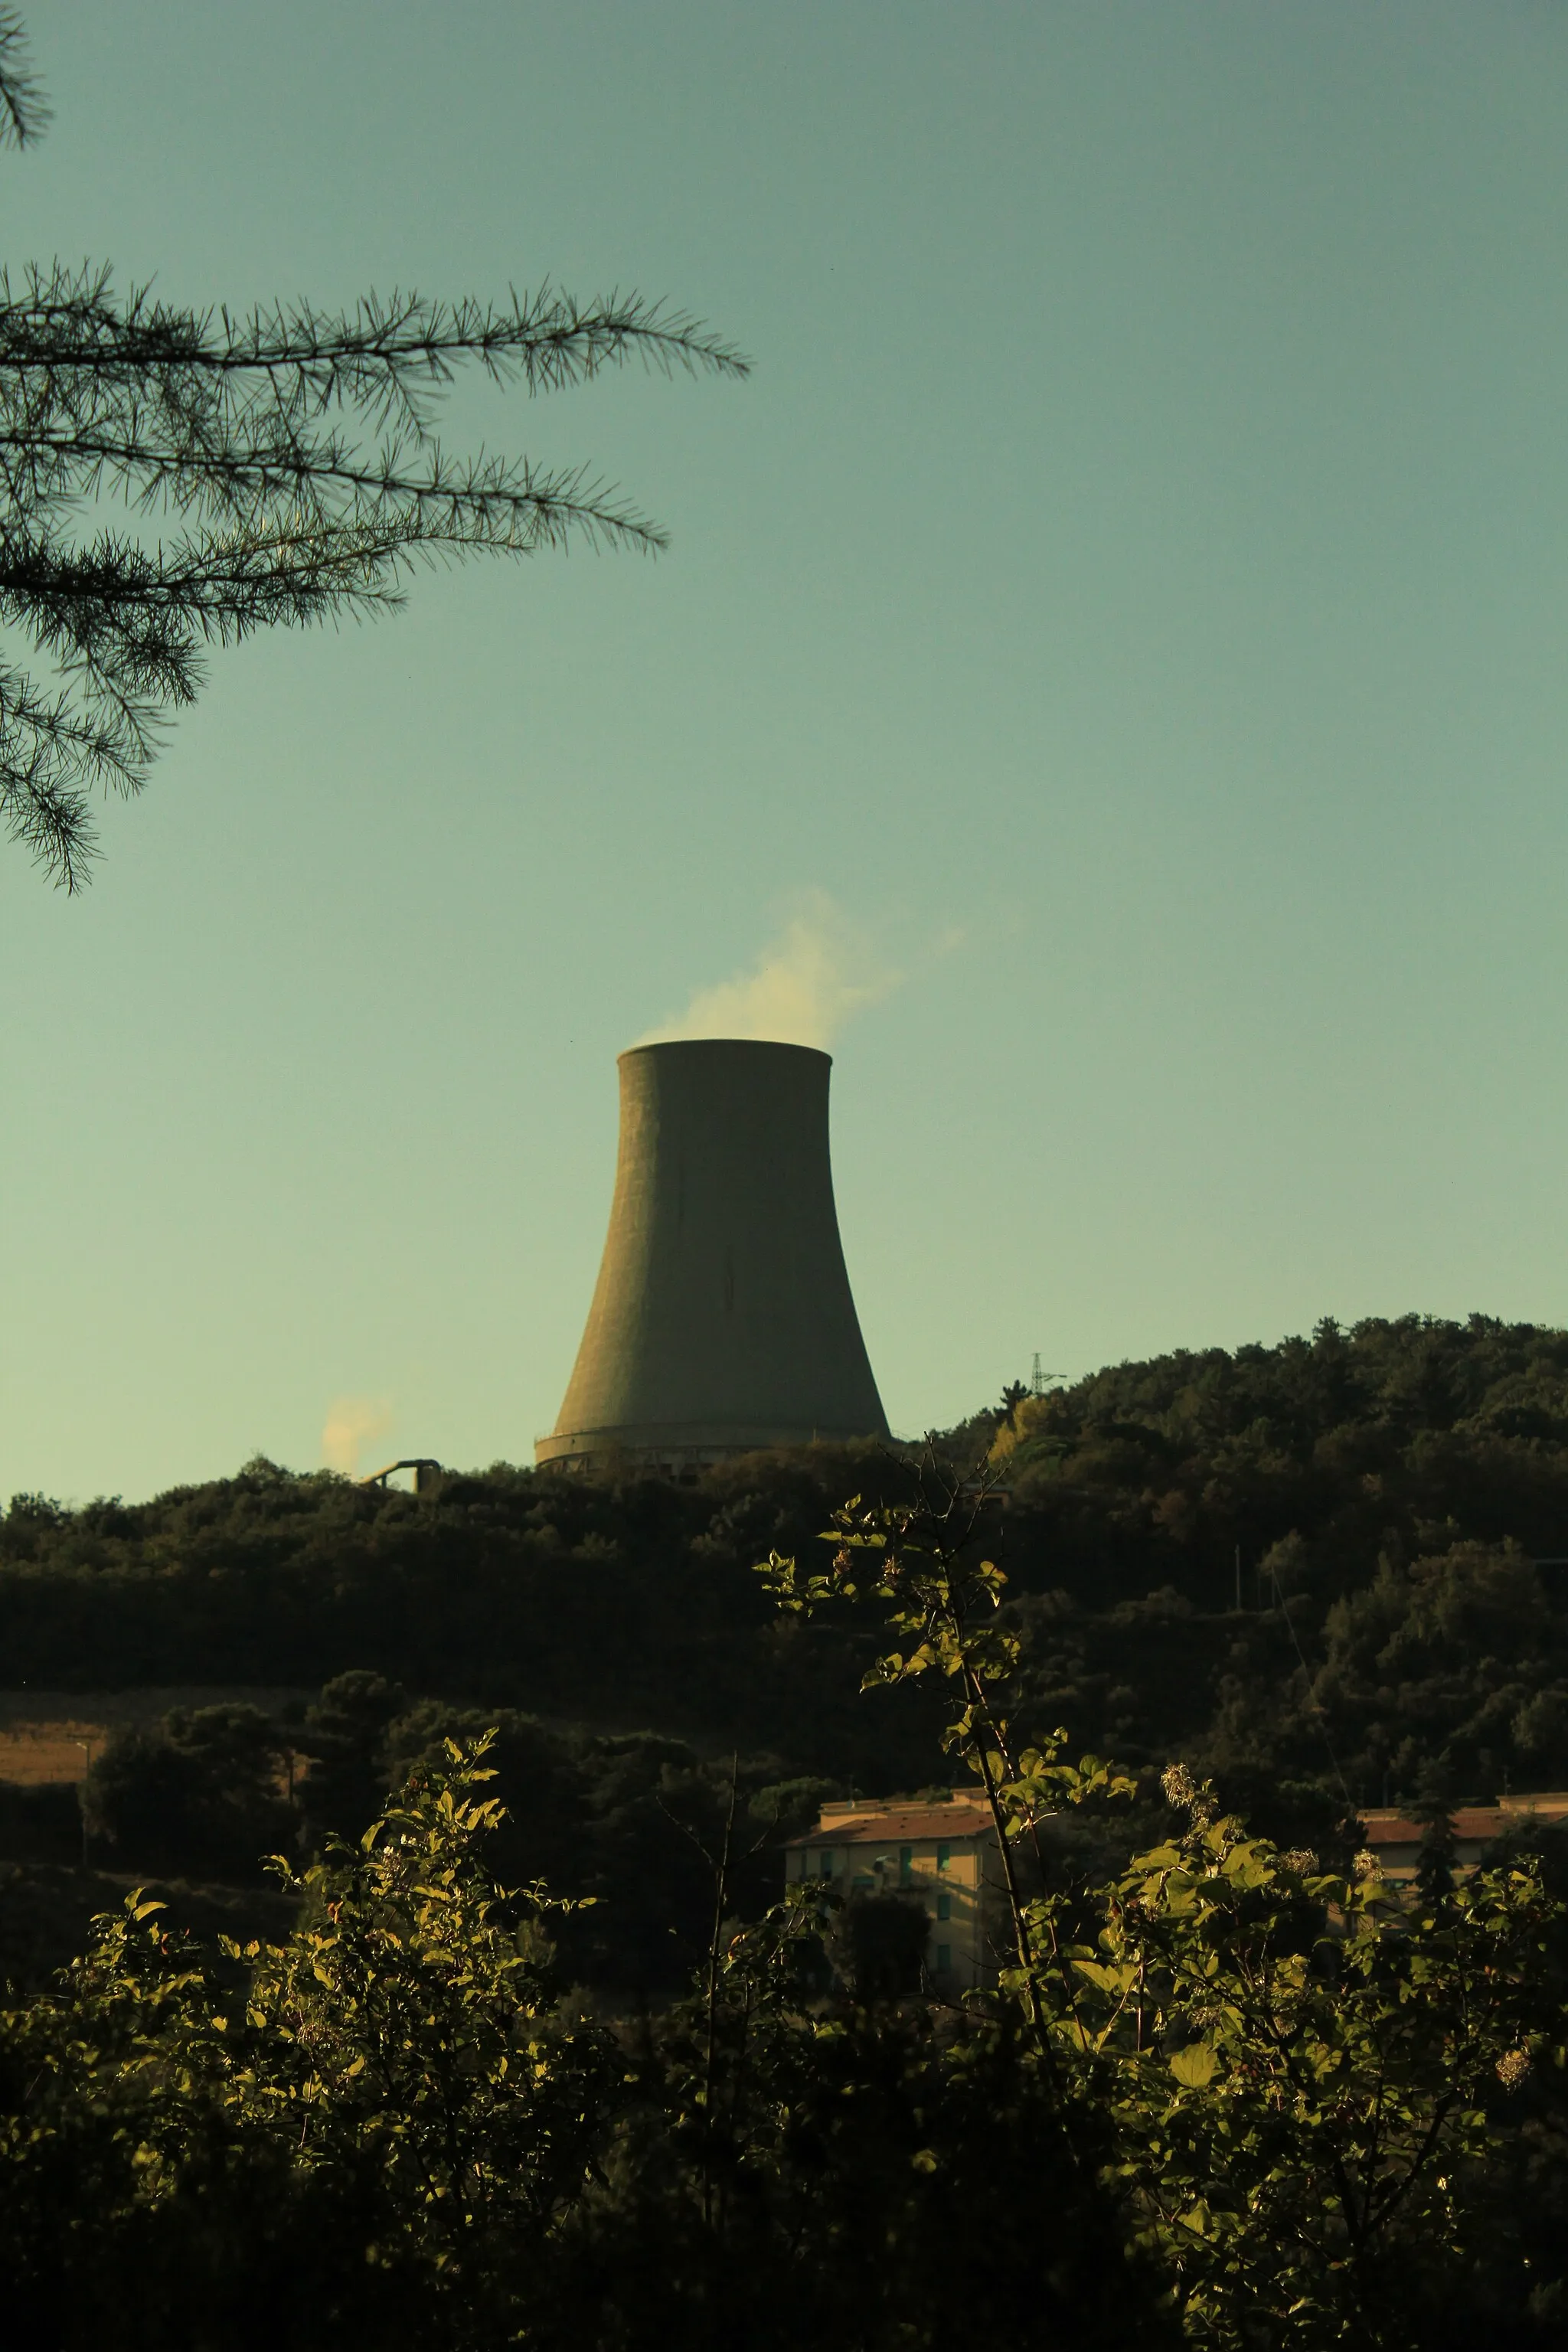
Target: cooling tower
x,y
722,1319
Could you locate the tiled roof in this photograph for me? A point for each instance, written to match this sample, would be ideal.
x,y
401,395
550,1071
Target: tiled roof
x,y
909,1824
1470,1822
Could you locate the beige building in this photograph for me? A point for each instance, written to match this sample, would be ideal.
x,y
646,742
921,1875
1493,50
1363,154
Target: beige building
x,y
940,1852
1395,1839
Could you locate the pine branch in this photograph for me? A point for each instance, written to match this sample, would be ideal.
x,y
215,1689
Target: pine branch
x,y
243,427
50,753
384,349
24,110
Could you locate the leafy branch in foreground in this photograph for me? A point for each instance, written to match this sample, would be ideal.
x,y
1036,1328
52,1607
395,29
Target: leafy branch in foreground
x,y
1307,2075
1304,2078
390,2096
1273,2119
919,1558
293,451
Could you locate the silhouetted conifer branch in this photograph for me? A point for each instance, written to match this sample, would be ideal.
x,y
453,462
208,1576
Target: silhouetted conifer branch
x,y
24,111
297,448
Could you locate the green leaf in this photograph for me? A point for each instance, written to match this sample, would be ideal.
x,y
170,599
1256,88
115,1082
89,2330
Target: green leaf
x,y
1106,1979
1196,2067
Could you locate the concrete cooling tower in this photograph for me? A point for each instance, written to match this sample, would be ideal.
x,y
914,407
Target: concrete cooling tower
x,y
722,1319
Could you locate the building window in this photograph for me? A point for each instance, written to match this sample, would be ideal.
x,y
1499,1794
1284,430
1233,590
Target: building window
x,y
944,1959
943,1855
944,1905
906,1865
825,1862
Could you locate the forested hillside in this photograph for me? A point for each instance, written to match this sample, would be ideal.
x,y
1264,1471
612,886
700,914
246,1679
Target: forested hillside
x,y
1390,1503
1396,1498
1317,1572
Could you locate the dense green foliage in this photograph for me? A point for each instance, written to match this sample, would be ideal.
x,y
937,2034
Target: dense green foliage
x,y
1389,1491
624,1825
1228,2100
349,2097
1229,2090
626,1607
390,2129
1296,2074
196,1793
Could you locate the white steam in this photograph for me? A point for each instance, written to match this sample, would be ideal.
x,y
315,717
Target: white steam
x,y
822,968
351,1423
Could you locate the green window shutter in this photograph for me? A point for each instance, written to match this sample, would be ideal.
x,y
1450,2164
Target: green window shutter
x,y
945,1907
906,1864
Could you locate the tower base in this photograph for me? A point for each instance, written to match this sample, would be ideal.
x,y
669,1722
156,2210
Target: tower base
x,y
677,1450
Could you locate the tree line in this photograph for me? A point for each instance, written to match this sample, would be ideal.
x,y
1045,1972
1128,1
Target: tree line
x,y
621,1825
1232,2094
1331,1565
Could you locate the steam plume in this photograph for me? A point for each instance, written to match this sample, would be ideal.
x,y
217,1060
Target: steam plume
x,y
801,990
349,1425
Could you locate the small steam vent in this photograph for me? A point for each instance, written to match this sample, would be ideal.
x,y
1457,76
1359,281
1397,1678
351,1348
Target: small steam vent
x,y
722,1319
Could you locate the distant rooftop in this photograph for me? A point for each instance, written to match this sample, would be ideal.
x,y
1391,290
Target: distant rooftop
x,y
1389,1826
882,1821
886,1820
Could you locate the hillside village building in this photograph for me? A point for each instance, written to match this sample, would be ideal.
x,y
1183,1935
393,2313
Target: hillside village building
x,y
1395,1839
938,1853
941,1854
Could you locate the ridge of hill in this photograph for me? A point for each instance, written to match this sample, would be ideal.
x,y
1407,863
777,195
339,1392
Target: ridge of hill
x,y
1389,1504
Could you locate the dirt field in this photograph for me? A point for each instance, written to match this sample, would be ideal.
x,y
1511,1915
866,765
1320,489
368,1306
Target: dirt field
x,y
52,1735
35,1752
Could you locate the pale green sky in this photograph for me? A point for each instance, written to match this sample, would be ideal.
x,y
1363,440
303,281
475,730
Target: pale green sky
x,y
1141,552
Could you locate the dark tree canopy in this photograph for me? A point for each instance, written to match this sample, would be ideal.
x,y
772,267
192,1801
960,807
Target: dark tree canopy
x,y
274,465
